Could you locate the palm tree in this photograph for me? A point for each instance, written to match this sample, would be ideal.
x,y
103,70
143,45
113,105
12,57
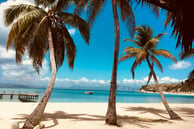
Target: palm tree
x,y
146,51
40,31
127,16
180,16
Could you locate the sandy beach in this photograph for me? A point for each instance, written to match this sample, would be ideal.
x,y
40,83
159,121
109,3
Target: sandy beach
x,y
92,115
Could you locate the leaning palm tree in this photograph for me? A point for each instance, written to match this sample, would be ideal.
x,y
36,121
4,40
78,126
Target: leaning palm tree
x,y
40,31
180,16
127,16
146,51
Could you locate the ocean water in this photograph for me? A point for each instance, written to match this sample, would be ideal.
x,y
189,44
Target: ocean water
x,y
98,96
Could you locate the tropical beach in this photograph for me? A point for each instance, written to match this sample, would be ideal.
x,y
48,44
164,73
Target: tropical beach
x,y
92,115
100,64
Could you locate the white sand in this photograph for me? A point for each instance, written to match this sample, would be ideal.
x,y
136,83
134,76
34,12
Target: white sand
x,y
92,115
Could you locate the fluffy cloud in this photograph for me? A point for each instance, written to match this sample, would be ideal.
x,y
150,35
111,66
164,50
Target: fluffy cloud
x,y
103,84
180,65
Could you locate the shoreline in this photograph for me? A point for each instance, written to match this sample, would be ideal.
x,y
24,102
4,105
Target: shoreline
x,y
92,115
168,93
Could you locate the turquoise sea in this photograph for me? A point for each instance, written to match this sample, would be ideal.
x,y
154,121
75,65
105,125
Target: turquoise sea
x,y
69,95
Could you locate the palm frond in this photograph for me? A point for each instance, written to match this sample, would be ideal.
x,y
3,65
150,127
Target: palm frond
x,y
181,19
14,11
132,50
76,21
144,34
186,54
80,6
44,3
154,59
133,69
94,7
152,43
70,47
58,44
127,56
134,41
141,56
164,53
61,5
154,7
22,23
160,3
38,44
127,15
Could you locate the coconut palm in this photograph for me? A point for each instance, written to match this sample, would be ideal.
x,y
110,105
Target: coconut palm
x,y
146,51
180,16
127,16
39,31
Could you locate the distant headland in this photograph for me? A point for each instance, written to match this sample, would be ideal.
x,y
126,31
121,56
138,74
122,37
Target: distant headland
x,y
186,86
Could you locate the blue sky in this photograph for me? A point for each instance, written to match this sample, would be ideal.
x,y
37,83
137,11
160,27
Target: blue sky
x,y
93,63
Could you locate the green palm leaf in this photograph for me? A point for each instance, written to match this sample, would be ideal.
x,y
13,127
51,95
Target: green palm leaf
x,y
144,34
154,8
132,50
76,21
133,69
141,56
61,5
164,53
127,15
70,47
94,7
15,11
80,6
186,54
59,45
127,56
153,58
137,43
152,43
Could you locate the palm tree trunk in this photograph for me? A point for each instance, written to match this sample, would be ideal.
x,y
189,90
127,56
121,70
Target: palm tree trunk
x,y
111,116
36,115
171,113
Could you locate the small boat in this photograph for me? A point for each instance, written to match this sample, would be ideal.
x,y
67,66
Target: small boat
x,y
88,92
28,97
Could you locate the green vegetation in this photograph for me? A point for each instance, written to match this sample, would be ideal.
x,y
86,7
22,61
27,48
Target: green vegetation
x,y
146,51
180,16
39,32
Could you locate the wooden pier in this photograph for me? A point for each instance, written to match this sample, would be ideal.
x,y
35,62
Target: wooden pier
x,y
21,97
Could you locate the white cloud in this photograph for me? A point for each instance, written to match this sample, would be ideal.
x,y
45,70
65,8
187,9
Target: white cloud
x,y
181,65
6,54
168,80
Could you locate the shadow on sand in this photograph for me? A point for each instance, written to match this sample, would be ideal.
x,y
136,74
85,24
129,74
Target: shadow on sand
x,y
142,122
54,117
